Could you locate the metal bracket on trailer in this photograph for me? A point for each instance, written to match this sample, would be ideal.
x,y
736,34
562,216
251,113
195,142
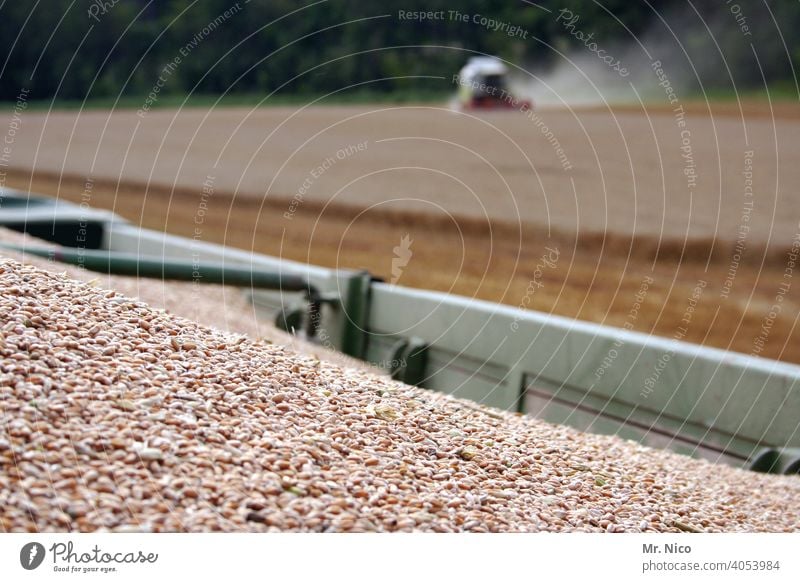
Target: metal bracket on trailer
x,y
356,303
408,360
306,315
781,461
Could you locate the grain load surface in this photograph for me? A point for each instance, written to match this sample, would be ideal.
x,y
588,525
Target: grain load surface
x,y
222,307
118,416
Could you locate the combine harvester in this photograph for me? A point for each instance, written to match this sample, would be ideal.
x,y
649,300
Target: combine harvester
x,y
706,402
483,84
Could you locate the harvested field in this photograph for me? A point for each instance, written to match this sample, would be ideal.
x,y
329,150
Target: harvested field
x,y
480,196
118,416
625,176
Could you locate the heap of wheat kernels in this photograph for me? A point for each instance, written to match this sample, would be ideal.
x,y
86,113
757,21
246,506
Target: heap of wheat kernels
x,y
215,305
117,416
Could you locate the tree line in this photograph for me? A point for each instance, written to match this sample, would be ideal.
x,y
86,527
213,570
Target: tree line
x,y
84,49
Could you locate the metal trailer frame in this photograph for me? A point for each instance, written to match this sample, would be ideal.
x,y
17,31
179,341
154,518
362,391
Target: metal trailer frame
x,y
705,401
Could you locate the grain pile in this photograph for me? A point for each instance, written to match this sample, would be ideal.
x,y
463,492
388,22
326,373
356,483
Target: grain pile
x,y
116,416
218,306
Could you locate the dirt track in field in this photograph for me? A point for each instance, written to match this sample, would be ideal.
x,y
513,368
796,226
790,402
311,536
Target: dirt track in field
x,y
480,196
